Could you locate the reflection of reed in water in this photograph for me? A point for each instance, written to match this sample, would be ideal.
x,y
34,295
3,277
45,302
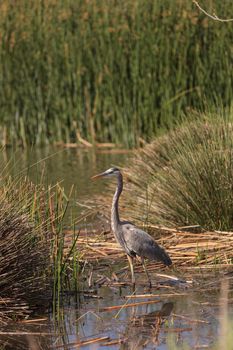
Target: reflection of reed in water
x,y
151,317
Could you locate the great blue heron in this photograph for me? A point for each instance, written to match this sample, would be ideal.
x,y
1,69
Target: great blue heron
x,y
133,240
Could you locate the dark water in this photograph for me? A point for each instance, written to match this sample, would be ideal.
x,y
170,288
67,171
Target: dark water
x,y
180,315
70,166
67,166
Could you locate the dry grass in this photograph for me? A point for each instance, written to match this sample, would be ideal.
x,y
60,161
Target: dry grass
x,y
32,264
185,177
24,249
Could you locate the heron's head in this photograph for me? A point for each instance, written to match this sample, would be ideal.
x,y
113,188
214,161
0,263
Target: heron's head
x,y
108,173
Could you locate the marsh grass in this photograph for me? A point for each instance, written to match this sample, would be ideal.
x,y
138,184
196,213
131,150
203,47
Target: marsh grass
x,y
24,248
185,177
34,263
108,71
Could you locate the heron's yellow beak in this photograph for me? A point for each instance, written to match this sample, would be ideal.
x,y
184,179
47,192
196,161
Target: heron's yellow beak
x,y
95,177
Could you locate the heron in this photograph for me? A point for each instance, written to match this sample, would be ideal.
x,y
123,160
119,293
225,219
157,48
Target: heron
x,y
135,242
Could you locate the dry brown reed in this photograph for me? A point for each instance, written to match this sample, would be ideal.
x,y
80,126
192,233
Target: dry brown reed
x,y
24,249
209,250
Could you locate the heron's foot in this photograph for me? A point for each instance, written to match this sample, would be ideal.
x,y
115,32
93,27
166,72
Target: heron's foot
x,y
148,286
133,281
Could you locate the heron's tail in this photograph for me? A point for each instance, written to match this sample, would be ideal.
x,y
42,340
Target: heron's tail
x,y
165,258
159,254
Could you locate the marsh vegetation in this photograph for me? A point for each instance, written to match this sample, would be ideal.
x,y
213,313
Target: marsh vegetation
x,y
106,71
184,178
33,260
103,74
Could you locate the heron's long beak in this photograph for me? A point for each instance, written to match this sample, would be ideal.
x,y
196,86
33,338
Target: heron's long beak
x,y
95,177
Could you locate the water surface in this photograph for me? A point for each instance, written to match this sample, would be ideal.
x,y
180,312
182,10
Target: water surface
x,y
69,166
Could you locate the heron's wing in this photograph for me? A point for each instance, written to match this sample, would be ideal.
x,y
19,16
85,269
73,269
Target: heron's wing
x,y
142,244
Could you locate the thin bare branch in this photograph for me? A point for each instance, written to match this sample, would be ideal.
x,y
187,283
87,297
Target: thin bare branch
x,y
214,16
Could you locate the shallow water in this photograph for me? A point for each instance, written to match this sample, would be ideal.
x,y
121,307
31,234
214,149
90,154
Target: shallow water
x,y
187,317
180,312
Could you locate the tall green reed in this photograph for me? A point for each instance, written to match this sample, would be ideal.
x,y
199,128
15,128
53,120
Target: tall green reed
x,y
111,71
64,251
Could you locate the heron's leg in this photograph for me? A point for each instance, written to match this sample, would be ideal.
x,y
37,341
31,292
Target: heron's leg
x,y
131,268
147,274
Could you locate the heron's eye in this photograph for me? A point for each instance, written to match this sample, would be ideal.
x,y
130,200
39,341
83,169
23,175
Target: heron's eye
x,y
112,171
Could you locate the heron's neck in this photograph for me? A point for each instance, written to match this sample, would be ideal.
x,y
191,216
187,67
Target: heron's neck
x,y
115,219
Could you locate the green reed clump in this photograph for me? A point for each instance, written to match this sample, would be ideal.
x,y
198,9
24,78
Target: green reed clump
x,y
185,177
64,251
109,71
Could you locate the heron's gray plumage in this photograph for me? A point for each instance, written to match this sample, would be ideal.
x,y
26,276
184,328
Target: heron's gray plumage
x,y
133,240
142,244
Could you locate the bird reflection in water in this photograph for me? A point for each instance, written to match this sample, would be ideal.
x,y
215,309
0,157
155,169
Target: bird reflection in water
x,y
145,329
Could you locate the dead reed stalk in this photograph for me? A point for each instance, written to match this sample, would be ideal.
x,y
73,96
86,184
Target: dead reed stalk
x,y
211,249
24,249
